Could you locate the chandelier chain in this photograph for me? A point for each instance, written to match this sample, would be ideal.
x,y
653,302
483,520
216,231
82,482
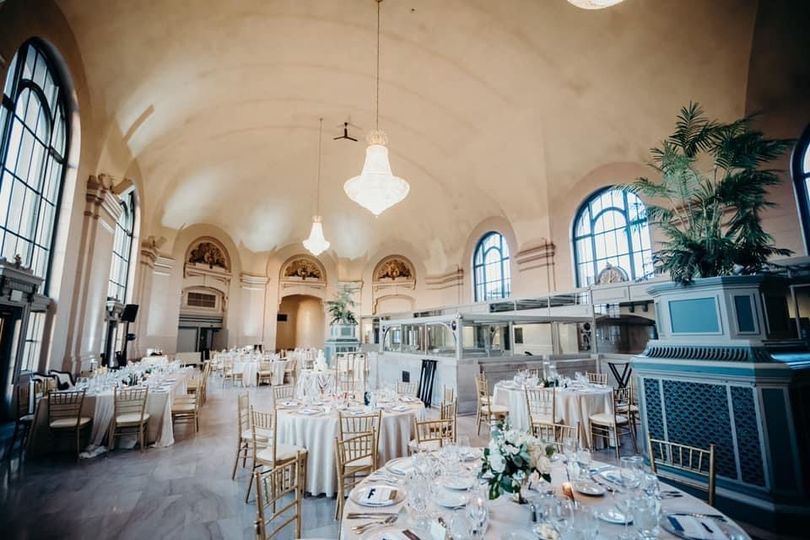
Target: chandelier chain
x,y
318,175
378,66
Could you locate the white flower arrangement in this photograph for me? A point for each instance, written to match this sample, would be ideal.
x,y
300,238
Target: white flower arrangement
x,y
512,458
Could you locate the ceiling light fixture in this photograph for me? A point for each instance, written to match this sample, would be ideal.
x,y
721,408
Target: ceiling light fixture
x,y
377,189
317,243
594,4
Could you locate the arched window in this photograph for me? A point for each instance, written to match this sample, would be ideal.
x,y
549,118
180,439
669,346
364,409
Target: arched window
x,y
491,273
33,143
801,179
611,229
122,250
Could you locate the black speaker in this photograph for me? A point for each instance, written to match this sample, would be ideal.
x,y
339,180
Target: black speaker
x,y
130,312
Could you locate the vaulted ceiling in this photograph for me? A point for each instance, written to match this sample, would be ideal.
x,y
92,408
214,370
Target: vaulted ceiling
x,y
492,108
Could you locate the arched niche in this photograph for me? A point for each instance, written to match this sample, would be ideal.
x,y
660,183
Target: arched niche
x,y
393,285
304,275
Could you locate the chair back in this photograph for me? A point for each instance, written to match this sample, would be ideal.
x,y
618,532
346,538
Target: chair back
x,y
439,431
243,412
407,388
621,401
23,396
357,448
279,497
352,425
667,457
283,391
449,411
597,378
264,365
130,401
541,405
448,394
555,433
65,405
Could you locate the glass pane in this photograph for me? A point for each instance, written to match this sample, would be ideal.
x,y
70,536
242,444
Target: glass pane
x,y
807,159
8,87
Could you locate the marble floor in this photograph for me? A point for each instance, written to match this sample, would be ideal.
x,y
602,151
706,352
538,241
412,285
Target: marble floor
x,y
183,491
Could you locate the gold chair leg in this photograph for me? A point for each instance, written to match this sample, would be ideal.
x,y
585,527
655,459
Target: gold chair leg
x,y
239,450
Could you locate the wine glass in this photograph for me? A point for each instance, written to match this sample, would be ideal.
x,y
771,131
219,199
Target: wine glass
x,y
569,448
584,461
477,511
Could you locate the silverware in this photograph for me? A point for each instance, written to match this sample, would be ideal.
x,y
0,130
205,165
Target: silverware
x,y
380,515
360,529
410,535
720,517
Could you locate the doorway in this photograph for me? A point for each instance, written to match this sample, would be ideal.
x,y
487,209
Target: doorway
x,y
301,322
9,336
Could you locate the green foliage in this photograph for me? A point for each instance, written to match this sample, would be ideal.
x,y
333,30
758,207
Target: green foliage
x,y
709,196
341,307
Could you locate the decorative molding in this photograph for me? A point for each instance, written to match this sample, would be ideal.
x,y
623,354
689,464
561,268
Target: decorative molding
x,y
164,265
535,256
100,197
721,353
303,268
394,268
449,280
208,253
252,282
150,251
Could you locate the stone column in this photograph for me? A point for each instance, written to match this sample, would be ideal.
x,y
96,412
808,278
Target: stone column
x,y
86,327
143,291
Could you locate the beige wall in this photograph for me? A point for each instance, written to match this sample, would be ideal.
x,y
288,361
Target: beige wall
x,y
305,325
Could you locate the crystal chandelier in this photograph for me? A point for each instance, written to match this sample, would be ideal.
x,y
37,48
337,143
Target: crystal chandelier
x,y
594,4
317,243
377,189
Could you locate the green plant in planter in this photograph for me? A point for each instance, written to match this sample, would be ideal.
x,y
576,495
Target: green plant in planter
x,y
709,196
340,307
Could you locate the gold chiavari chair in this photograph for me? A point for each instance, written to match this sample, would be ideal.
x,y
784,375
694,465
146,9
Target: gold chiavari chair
x,y
448,410
556,433
227,371
541,405
355,457
283,391
486,410
200,382
65,414
25,410
129,414
291,371
186,410
630,407
533,372
407,388
597,378
279,498
268,453
448,394
432,434
612,425
351,425
667,457
265,373
244,448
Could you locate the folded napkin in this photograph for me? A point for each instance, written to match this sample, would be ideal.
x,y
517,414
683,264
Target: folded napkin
x,y
380,495
695,527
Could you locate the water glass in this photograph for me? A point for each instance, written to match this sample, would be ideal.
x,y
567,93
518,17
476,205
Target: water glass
x,y
478,512
584,461
569,447
646,513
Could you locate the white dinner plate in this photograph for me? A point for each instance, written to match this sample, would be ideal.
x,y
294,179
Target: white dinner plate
x,y
612,515
545,531
612,475
400,466
589,488
309,412
458,483
377,495
399,408
451,499
288,403
385,533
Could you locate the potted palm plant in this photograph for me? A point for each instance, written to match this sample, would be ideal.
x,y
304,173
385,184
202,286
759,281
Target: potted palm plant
x,y
343,325
707,199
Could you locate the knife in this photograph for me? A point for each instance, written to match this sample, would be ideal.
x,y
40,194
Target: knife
x,y
410,535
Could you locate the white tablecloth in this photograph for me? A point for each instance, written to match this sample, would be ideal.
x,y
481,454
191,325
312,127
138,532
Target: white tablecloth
x,y
99,407
574,406
318,433
506,516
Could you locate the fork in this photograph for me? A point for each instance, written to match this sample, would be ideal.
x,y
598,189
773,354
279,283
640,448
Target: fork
x,y
360,529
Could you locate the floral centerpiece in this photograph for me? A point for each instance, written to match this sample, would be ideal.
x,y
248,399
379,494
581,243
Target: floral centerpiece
x,y
513,460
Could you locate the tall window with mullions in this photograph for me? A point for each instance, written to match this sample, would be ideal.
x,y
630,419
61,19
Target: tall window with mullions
x,y
611,229
122,250
800,168
33,143
492,275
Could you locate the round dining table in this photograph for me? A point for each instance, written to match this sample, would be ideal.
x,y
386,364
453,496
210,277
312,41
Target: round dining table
x,y
315,427
508,520
574,405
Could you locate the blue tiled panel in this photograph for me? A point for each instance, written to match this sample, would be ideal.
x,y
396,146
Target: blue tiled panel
x,y
745,420
697,415
652,400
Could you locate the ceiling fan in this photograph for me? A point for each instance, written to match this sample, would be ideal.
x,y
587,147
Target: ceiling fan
x,y
345,135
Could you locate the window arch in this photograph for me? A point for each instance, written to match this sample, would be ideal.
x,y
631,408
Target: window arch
x,y
611,229
122,249
492,275
33,146
801,179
